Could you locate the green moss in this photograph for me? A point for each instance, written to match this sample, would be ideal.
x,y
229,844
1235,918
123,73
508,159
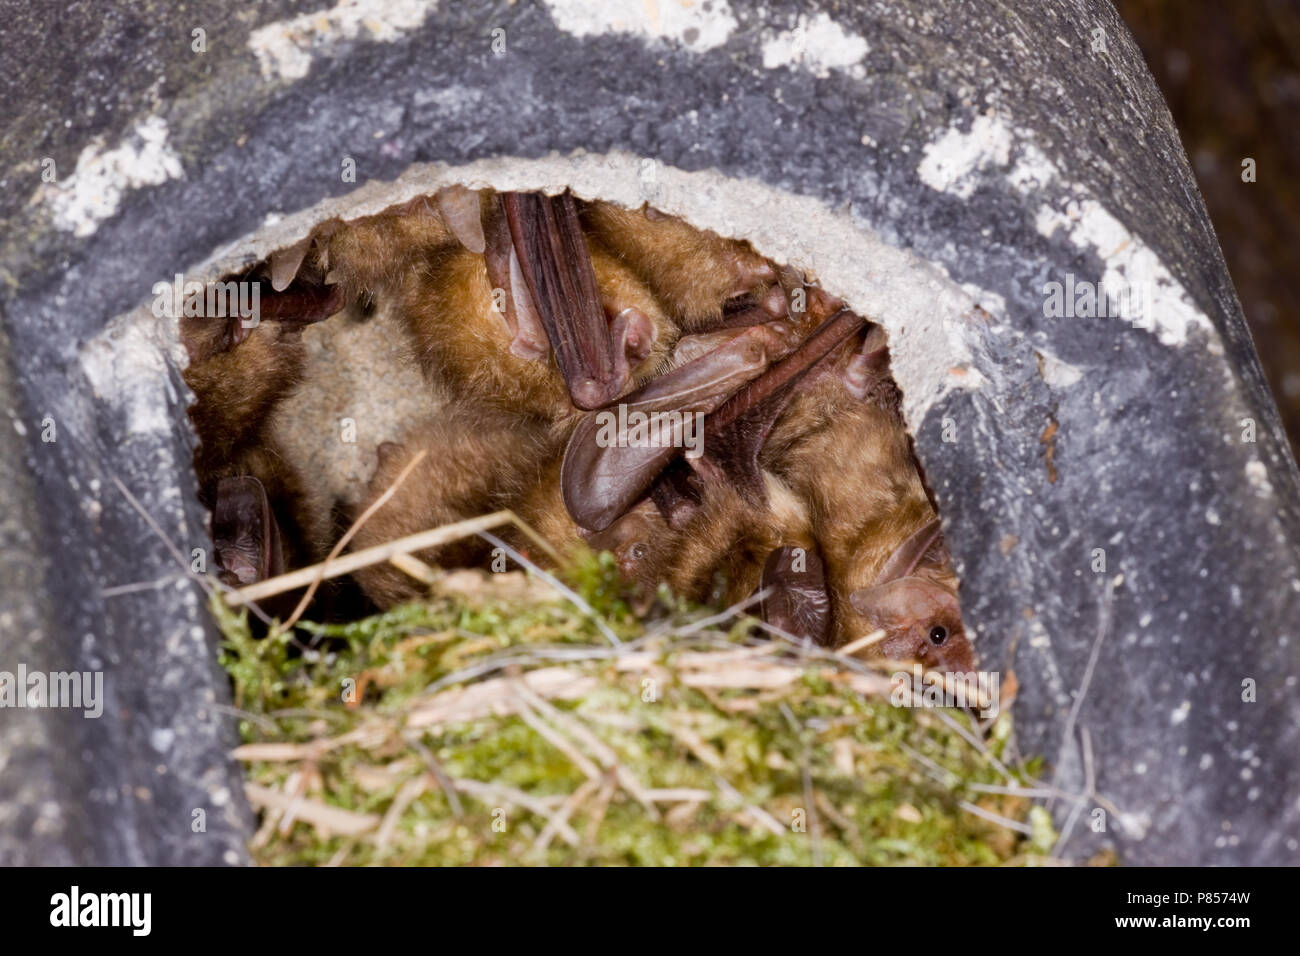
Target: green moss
x,y
809,771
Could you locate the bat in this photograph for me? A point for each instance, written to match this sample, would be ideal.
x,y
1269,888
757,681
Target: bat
x,y
702,278
479,459
239,375
603,475
914,601
506,301
842,445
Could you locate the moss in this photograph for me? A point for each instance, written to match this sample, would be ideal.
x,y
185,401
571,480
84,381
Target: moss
x,y
645,765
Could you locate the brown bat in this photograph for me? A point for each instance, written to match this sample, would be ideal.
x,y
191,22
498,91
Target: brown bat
x,y
704,280
841,443
239,373
717,554
478,460
375,254
520,287
886,566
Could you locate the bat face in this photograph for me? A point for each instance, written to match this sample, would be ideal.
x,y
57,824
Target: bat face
x,y
700,277
921,621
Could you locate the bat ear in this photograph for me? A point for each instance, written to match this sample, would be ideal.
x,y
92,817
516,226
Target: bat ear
x,y
906,599
921,620
244,532
797,601
459,208
909,554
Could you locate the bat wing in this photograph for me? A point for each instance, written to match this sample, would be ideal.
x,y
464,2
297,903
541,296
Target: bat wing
x,y
606,469
736,431
556,267
528,337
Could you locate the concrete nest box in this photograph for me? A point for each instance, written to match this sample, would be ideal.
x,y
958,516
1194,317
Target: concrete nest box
x,y
1007,197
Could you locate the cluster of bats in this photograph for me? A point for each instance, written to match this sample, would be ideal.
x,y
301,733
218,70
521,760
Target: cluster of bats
x,y
537,313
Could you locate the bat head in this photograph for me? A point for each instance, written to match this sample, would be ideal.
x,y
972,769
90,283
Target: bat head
x,y
921,621
920,616
631,539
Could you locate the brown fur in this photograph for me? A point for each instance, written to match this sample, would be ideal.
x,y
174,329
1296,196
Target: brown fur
x,y
477,461
693,272
373,255
852,461
464,342
236,393
720,553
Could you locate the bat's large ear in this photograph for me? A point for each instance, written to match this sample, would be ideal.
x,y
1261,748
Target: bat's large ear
x,y
604,472
244,532
909,554
460,209
904,600
798,602
556,267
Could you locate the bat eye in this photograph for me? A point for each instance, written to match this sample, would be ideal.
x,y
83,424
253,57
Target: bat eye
x,y
638,551
938,634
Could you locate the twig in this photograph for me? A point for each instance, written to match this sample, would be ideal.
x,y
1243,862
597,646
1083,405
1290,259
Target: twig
x,y
158,585
557,740
481,790
550,579
320,815
726,615
594,745
867,640
440,776
570,806
347,563
756,813
997,818
408,794
350,534
1103,625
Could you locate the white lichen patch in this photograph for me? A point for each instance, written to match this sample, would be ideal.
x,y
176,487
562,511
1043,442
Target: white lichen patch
x,y
819,45
956,162
952,163
127,370
697,24
94,190
1056,372
1257,477
285,49
1032,171
1132,269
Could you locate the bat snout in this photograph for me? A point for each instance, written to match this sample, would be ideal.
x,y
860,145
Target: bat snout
x,y
921,620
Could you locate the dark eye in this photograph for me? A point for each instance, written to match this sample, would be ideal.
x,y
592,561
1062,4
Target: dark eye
x,y
938,634
638,551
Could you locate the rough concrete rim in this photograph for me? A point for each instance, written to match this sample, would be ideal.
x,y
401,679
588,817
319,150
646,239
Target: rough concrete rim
x,y
1021,113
